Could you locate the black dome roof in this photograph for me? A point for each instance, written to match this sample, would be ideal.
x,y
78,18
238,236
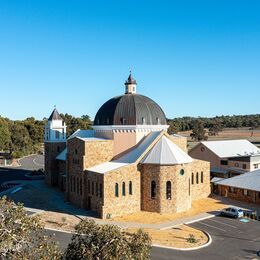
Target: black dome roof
x,y
130,109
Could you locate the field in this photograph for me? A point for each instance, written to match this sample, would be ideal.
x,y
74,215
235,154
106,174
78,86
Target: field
x,y
227,134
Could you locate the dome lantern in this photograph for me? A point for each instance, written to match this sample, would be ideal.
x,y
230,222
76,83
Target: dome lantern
x,y
130,85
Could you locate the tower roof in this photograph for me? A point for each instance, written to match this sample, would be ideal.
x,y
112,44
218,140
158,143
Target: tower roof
x,y
130,80
55,115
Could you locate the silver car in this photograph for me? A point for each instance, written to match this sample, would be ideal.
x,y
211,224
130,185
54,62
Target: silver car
x,y
232,212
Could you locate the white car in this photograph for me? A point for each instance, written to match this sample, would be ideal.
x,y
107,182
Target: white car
x,y
232,212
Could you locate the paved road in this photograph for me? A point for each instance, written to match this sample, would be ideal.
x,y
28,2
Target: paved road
x,y
28,164
232,239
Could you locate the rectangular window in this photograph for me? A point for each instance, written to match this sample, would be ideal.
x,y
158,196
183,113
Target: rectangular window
x,y
256,166
245,192
244,166
236,164
223,162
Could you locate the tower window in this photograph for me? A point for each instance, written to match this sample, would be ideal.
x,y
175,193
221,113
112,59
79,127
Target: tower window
x,y
201,177
96,189
192,178
168,190
157,120
143,120
57,134
153,189
197,178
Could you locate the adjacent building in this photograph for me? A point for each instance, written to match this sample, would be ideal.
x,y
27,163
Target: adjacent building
x,y
127,163
245,187
228,157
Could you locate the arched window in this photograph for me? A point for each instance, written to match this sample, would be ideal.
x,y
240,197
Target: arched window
x,y
100,190
96,189
80,186
192,178
143,120
130,188
77,185
123,189
153,189
197,178
168,190
201,177
92,187
157,120
88,186
116,190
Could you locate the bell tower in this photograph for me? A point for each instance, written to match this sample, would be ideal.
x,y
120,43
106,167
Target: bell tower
x,y
54,144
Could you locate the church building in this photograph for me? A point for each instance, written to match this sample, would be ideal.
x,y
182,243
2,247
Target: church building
x,y
127,163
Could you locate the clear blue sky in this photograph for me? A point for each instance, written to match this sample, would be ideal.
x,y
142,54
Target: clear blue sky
x,y
195,58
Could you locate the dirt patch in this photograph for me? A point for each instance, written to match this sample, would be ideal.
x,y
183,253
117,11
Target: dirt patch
x,y
181,237
59,220
198,207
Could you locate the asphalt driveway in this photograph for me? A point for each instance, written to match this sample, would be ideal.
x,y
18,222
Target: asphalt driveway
x,y
232,239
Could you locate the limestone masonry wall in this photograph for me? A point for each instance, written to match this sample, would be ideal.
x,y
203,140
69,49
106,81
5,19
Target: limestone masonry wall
x,y
123,204
51,151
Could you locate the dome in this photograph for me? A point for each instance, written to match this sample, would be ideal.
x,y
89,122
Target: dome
x,y
130,109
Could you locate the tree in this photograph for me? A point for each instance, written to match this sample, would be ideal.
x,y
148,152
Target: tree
x,y
5,135
93,241
198,131
215,128
22,236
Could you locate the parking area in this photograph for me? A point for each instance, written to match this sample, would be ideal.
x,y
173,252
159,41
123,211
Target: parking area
x,y
232,239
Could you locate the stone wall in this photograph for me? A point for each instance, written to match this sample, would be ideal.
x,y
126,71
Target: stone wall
x,y
121,205
51,151
183,192
82,155
179,199
201,188
181,142
239,194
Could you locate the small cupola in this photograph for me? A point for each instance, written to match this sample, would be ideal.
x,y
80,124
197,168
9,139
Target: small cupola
x,y
130,85
55,129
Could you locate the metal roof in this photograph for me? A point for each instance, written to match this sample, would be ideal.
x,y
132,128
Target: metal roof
x,y
55,115
131,157
232,148
62,156
82,134
130,109
165,152
249,181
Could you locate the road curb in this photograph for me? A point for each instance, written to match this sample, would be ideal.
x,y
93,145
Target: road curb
x,y
188,249
187,223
